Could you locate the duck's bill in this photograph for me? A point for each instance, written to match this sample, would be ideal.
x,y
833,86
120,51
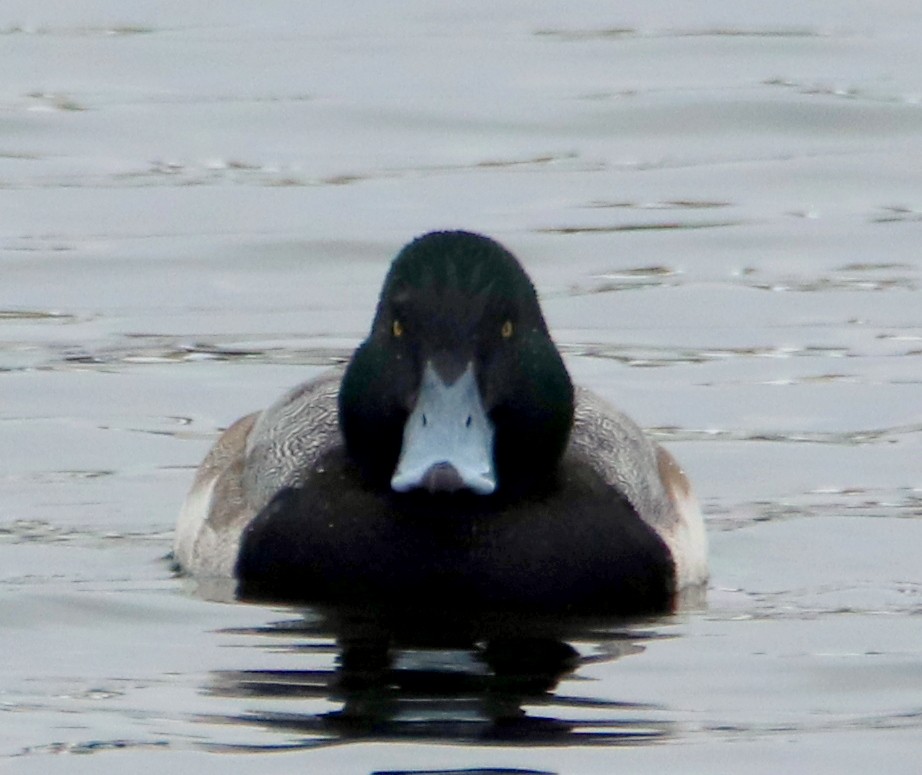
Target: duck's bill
x,y
447,439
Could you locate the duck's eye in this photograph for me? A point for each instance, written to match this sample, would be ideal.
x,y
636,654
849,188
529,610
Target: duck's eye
x,y
397,328
507,329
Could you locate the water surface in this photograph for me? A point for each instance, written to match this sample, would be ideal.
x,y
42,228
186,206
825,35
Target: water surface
x,y
722,211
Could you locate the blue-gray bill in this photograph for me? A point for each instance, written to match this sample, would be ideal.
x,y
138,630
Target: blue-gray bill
x,y
447,439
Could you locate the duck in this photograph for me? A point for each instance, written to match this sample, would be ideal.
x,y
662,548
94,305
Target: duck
x,y
450,464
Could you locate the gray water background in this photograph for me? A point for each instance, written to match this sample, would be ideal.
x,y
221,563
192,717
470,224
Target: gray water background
x,y
721,206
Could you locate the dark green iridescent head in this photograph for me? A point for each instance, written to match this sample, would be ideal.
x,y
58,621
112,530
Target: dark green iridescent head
x,y
457,310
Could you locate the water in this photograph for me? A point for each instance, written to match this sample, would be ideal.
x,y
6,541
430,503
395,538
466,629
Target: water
x,y
722,210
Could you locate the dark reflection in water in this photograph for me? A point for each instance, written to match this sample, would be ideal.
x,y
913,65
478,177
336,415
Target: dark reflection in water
x,y
441,677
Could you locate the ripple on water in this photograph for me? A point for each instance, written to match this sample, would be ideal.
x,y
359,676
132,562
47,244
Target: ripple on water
x,y
36,315
839,438
626,33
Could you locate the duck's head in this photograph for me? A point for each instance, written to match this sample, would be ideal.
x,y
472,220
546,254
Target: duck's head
x,y
458,386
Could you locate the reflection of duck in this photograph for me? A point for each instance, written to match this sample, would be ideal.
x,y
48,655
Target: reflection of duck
x,y
445,678
451,464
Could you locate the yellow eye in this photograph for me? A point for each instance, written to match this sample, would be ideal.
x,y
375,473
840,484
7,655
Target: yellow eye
x,y
507,329
397,328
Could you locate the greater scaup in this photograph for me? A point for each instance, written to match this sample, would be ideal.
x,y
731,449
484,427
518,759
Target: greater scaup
x,y
452,463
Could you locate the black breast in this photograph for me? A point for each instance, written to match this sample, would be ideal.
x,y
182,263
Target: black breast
x,y
577,547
